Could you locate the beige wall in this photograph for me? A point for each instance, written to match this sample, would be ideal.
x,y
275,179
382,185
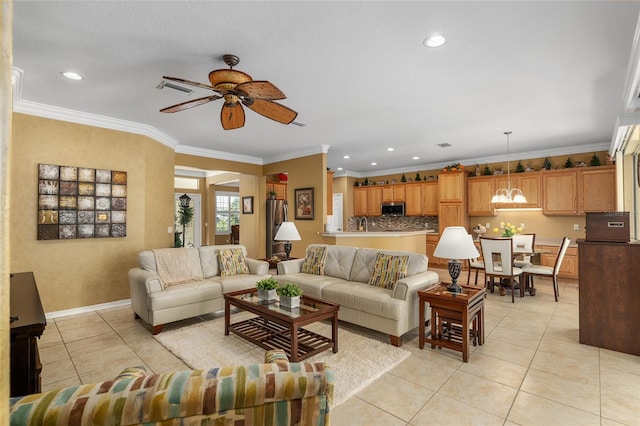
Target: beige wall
x,y
83,272
306,172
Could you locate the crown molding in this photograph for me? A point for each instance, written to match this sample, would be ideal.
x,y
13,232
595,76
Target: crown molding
x,y
221,155
317,149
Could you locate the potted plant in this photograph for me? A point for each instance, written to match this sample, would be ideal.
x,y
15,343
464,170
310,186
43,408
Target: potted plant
x,y
289,295
267,288
272,195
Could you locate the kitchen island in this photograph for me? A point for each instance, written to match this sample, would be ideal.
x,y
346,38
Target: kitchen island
x,y
412,241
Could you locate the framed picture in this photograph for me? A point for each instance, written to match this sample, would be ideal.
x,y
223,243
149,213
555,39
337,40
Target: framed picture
x,y
304,203
247,205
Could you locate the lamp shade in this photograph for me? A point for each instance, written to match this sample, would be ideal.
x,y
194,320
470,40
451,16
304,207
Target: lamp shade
x,y
456,243
287,232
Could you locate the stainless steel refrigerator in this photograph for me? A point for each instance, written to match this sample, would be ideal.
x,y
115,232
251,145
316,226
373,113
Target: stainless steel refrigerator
x,y
276,214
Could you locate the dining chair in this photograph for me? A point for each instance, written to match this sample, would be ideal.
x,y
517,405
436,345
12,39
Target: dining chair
x,y
476,264
498,263
548,271
524,243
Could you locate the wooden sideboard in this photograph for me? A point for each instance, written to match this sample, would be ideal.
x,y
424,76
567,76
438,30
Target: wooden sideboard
x,y
609,295
28,323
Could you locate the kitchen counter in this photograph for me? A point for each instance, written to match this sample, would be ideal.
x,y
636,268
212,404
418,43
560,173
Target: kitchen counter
x,y
411,241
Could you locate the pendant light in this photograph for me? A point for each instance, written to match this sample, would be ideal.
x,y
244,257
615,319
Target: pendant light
x,y
508,195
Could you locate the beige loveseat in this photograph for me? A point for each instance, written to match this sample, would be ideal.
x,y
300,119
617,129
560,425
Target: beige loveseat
x,y
177,283
347,272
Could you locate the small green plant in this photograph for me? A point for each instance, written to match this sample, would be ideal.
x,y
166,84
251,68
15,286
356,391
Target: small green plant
x,y
595,160
289,290
568,164
487,171
267,284
403,178
366,181
547,164
272,193
519,167
418,179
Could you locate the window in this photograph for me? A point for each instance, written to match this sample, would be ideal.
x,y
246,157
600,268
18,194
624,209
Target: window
x,y
227,211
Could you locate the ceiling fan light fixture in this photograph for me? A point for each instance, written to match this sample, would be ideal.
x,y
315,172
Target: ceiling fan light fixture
x,y
224,80
71,75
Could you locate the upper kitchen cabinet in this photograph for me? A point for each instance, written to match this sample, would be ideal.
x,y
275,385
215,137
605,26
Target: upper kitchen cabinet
x,y
374,200
429,205
560,192
393,193
360,203
598,189
413,199
572,192
279,188
480,191
529,183
451,187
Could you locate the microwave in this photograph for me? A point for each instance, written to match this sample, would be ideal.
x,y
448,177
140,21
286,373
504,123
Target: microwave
x,y
393,209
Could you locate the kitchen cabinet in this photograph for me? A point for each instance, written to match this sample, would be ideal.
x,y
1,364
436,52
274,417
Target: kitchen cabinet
x,y
413,199
279,188
452,214
360,202
429,205
480,191
560,192
528,183
431,244
393,193
597,187
451,187
572,192
569,268
329,186
374,201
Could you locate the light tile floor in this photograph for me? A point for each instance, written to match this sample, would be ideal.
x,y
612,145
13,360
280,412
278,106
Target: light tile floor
x,y
530,371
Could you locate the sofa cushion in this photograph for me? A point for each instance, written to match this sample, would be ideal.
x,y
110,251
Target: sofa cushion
x,y
185,294
362,297
365,259
314,260
339,261
311,285
388,269
147,261
239,282
232,262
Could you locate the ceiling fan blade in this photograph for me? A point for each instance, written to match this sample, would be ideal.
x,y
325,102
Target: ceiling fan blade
x,y
260,90
232,116
190,83
272,110
190,104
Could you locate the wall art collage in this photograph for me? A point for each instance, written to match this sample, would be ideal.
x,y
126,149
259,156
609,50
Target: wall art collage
x,y
78,202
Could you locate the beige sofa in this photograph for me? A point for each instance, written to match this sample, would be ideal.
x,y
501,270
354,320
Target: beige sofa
x,y
194,288
347,272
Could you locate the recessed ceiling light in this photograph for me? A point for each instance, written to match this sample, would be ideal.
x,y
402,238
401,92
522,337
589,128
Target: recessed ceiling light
x,y
391,149
71,75
434,40
339,168
374,164
415,158
346,157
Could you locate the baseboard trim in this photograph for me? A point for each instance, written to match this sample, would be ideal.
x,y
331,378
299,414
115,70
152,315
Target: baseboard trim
x,y
85,309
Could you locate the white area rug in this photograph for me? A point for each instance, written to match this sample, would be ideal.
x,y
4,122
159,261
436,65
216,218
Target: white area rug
x,y
359,361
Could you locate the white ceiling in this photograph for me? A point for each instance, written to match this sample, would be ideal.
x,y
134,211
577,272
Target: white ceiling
x,y
357,73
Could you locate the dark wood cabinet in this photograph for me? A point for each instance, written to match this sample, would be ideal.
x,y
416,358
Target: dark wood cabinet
x,y
27,325
609,295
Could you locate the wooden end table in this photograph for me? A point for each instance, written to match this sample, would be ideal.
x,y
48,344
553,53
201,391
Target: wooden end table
x,y
277,327
451,314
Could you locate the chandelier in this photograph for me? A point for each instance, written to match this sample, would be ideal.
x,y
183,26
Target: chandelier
x,y
508,194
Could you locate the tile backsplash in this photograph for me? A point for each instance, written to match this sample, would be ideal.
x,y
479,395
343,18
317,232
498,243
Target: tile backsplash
x,y
405,223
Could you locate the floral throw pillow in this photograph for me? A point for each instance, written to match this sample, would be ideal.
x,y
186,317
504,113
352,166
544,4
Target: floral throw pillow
x,y
388,269
232,262
314,260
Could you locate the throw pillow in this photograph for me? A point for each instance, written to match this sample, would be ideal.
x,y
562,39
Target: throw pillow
x,y
232,262
388,269
314,260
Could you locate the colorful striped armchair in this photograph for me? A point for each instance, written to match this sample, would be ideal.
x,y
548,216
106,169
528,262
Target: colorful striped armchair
x,y
274,393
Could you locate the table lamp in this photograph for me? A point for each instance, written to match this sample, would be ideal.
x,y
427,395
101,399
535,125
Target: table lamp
x,y
455,244
287,232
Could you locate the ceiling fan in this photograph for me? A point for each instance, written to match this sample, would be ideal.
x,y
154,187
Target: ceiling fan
x,y
238,88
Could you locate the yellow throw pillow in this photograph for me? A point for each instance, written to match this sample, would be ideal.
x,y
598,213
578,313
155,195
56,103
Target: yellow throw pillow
x,y
388,269
314,260
232,262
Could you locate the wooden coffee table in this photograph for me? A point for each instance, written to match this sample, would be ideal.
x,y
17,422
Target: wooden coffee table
x,y
276,327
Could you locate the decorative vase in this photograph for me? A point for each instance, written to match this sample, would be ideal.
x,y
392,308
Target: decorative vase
x,y
290,302
267,294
